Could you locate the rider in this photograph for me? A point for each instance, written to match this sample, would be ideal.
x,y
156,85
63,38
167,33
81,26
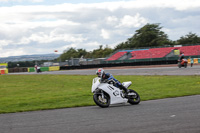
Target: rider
x,y
181,56
109,78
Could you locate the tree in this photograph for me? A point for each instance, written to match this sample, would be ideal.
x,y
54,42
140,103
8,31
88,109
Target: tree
x,y
122,45
147,36
190,38
100,53
72,53
97,53
107,51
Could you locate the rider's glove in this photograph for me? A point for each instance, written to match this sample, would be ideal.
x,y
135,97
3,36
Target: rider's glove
x,y
104,81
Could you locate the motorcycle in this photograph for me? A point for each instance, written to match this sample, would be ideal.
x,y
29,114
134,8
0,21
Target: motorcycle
x,y
105,94
182,63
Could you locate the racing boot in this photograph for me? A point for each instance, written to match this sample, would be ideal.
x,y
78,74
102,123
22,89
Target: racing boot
x,y
125,90
128,93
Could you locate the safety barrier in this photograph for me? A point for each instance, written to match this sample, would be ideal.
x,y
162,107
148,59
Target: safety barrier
x,y
2,72
3,68
195,60
43,69
32,69
54,68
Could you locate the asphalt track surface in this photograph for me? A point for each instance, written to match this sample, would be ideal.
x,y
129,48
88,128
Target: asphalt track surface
x,y
130,70
171,115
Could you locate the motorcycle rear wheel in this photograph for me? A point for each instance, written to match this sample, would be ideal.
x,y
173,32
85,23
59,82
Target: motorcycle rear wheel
x,y
135,99
102,102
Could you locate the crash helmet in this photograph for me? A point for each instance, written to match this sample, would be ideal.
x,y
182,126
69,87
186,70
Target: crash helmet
x,y
100,72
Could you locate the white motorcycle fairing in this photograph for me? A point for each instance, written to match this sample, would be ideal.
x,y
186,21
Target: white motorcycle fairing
x,y
127,84
116,95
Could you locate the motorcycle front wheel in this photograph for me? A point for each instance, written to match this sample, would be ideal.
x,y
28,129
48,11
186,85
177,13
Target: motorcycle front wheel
x,y
185,65
102,101
134,99
179,65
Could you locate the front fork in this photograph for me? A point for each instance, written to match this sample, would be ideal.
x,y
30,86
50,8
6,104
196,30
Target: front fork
x,y
102,94
99,91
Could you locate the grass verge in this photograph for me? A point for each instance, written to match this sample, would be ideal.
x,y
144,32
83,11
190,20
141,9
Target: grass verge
x,y
20,93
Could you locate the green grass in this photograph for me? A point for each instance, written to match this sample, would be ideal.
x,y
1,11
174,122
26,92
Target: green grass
x,y
39,92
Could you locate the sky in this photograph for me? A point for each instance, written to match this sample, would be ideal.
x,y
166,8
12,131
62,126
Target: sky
x,y
42,26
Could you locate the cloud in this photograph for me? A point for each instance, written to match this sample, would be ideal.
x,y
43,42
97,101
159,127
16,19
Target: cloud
x,y
88,45
11,52
44,28
111,19
34,1
105,34
42,37
132,21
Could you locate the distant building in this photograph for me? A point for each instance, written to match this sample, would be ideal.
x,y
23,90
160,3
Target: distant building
x,y
47,64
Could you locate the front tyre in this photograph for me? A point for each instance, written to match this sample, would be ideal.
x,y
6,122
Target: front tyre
x,y
179,65
185,65
134,99
102,101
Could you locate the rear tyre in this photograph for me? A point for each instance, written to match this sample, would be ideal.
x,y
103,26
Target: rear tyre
x,y
102,102
135,99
